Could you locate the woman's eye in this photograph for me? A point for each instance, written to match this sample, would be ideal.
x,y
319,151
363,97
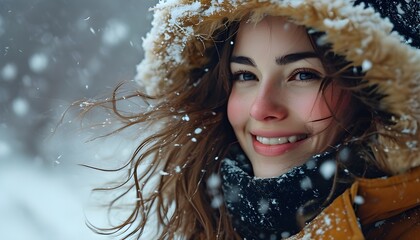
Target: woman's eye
x,y
244,76
305,75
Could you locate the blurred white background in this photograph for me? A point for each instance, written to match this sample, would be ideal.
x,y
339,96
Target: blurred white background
x,y
52,53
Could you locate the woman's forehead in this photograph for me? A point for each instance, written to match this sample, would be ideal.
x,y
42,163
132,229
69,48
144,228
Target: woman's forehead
x,y
272,35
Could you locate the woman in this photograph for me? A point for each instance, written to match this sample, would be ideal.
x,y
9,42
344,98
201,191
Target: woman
x,y
277,119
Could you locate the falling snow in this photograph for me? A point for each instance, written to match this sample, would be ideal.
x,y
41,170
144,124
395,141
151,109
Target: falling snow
x,y
306,183
198,130
38,62
366,65
9,72
327,169
344,154
20,107
115,33
186,118
213,185
285,234
359,200
264,206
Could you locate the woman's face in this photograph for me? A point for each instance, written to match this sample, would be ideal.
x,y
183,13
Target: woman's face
x,y
277,113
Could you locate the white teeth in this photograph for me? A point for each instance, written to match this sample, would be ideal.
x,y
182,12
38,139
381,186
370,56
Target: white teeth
x,y
292,139
281,140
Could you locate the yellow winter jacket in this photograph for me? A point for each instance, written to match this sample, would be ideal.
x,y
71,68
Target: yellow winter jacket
x,y
382,208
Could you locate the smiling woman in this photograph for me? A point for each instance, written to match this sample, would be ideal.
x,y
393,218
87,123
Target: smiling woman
x,y
275,119
277,112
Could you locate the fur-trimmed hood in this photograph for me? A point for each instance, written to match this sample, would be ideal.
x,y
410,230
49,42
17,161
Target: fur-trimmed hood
x,y
182,30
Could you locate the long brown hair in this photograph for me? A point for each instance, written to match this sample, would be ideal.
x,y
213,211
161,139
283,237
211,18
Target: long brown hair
x,y
187,150
193,137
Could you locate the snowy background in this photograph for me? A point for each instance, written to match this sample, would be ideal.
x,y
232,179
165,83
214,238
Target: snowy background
x,y
52,53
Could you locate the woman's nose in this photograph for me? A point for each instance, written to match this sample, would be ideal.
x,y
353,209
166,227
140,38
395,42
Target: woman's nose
x,y
268,105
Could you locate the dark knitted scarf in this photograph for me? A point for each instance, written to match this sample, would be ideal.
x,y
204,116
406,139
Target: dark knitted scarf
x,y
266,208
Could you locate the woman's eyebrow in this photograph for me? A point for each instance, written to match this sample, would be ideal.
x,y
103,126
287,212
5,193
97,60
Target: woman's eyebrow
x,y
242,60
283,60
294,57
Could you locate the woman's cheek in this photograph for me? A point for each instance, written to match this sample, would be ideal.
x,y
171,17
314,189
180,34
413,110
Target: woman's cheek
x,y
323,109
310,107
236,109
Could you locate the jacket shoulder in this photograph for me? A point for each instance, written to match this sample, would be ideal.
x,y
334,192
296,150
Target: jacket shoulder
x,y
367,210
404,226
337,221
